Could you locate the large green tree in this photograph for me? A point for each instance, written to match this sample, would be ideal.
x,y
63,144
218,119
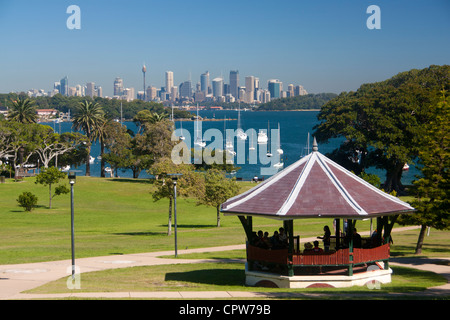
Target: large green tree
x,y
88,117
432,188
382,123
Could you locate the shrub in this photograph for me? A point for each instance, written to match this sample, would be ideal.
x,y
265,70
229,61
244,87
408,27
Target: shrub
x,y
27,200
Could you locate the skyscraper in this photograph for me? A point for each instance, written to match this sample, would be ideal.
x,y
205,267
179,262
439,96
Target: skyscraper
x,y
169,83
118,87
204,82
186,89
249,89
217,85
274,87
64,86
234,83
90,89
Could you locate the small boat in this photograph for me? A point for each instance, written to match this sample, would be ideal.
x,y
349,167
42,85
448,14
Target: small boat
x,y
91,159
251,143
108,169
279,150
239,132
405,167
262,137
65,169
278,165
182,138
269,154
198,140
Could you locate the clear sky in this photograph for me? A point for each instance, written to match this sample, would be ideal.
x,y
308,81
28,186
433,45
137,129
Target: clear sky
x,y
324,45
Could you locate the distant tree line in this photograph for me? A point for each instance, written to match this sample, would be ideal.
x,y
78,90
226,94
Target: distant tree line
x,y
306,102
111,107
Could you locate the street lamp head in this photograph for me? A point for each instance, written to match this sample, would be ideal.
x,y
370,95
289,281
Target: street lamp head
x,y
174,176
72,178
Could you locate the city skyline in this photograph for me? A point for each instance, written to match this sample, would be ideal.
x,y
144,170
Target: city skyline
x,y
325,47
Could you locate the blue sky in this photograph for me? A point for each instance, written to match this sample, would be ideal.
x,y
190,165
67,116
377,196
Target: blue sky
x,y
323,45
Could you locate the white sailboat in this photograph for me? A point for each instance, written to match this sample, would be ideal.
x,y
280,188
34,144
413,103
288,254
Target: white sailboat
x,y
182,138
269,154
262,137
198,138
251,143
279,150
229,147
239,132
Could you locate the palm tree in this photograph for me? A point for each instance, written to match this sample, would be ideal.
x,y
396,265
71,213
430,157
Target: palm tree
x,y
88,117
23,111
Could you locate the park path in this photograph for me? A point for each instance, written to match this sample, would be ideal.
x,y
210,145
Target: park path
x,y
14,279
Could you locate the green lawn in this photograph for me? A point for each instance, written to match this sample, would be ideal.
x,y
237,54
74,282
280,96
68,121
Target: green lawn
x,y
120,216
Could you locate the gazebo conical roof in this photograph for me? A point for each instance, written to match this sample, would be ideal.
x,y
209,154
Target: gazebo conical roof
x,y
312,187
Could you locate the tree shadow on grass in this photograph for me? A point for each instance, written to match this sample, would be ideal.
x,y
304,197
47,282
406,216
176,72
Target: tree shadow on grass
x,y
143,181
191,226
148,233
215,277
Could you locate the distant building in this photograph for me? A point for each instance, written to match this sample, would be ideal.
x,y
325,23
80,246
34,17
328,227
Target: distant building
x,y
217,85
90,90
204,82
169,83
64,86
118,87
185,90
44,114
234,83
275,88
299,91
128,94
249,89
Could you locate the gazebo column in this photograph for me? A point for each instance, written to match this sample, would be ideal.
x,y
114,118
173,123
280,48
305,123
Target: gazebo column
x,y
289,228
247,223
338,233
350,246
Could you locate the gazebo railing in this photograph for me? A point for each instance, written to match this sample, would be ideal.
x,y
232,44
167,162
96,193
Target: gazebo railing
x,y
342,257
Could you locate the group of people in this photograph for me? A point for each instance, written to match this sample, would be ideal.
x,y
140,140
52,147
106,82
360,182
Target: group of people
x,y
277,241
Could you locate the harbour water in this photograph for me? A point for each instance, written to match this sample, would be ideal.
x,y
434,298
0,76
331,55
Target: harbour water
x,y
294,129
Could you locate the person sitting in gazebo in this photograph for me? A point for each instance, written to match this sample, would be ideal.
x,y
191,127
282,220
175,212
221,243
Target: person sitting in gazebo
x,y
316,248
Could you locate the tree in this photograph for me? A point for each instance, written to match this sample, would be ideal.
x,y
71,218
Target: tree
x,y
383,122
218,189
50,145
50,176
27,200
118,143
89,117
190,183
432,188
23,111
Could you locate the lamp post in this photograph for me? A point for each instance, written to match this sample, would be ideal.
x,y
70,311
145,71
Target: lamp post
x,y
72,180
175,179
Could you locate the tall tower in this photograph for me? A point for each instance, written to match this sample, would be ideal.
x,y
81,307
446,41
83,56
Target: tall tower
x,y
234,83
144,70
169,83
204,82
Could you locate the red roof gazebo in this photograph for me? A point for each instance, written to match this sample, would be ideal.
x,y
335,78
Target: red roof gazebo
x,y
317,187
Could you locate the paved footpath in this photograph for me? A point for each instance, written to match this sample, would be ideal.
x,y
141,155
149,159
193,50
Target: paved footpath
x,y
14,279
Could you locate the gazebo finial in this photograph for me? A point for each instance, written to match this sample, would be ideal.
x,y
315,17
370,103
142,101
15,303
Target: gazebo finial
x,y
315,145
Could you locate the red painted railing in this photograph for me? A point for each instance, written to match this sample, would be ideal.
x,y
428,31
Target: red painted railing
x,y
340,257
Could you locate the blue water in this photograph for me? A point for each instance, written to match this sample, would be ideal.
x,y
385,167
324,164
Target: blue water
x,y
294,129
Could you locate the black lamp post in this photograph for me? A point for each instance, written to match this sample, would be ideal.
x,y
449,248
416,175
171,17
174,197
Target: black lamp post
x,y
175,179
72,180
